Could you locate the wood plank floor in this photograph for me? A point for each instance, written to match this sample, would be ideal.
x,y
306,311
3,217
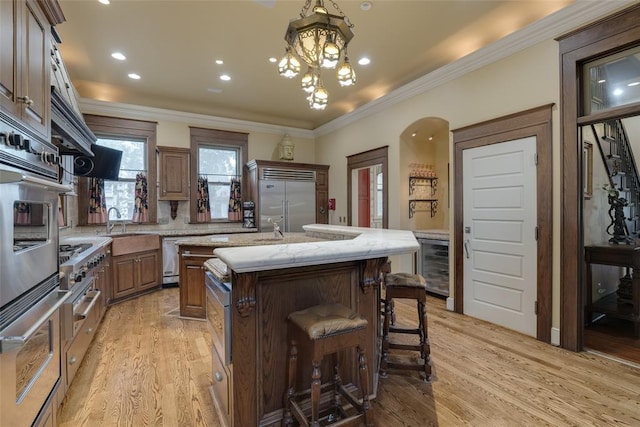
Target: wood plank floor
x,y
147,366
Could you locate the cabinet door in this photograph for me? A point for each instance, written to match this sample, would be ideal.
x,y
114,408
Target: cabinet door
x,y
124,268
9,57
174,173
36,74
147,270
192,289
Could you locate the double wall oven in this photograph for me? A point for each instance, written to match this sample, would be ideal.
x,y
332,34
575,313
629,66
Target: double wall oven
x,y
30,294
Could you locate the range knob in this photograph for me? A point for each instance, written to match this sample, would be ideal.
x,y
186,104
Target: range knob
x,y
51,158
78,277
15,140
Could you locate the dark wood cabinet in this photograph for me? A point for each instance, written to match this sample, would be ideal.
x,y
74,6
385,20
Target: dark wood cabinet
x,y
136,265
193,300
174,173
103,284
25,77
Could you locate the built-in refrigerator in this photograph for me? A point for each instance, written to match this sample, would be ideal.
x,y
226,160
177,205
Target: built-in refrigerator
x,y
290,203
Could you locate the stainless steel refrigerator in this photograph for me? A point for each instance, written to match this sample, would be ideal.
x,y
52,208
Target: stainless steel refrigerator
x,y
291,204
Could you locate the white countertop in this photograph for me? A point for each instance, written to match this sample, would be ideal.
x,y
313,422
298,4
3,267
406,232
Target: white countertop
x,y
348,244
432,234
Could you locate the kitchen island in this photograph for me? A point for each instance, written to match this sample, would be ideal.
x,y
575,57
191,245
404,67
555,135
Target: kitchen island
x,y
194,251
266,283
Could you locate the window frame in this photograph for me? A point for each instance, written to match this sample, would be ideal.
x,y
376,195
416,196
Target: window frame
x,y
215,138
119,128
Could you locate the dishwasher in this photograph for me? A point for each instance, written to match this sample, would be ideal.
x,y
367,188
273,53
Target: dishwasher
x,y
170,264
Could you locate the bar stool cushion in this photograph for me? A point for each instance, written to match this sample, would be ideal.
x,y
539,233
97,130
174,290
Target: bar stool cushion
x,y
405,280
324,320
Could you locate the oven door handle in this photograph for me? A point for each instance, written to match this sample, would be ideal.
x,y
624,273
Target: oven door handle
x,y
87,311
56,299
11,177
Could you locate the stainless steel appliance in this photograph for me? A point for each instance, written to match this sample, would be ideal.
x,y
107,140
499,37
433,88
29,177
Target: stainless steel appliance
x,y
288,197
170,263
30,296
433,265
219,314
80,315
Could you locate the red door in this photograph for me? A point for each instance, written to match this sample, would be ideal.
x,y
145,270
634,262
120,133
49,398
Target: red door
x,y
364,201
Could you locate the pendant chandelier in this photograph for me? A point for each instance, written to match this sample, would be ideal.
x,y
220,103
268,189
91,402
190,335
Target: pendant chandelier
x,y
319,40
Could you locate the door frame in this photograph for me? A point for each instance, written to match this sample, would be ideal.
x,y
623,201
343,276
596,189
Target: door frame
x,y
377,156
534,122
612,34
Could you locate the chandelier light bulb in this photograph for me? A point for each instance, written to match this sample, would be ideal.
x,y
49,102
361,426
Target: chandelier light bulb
x,y
319,98
345,74
309,81
289,65
330,53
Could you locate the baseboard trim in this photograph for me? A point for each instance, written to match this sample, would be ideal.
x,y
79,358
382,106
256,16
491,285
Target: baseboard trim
x,y
450,304
555,337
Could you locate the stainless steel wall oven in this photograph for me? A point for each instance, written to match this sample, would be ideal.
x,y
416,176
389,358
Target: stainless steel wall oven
x,y
30,296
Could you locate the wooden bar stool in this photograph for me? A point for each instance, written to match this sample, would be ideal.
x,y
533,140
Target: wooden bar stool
x,y
325,330
409,286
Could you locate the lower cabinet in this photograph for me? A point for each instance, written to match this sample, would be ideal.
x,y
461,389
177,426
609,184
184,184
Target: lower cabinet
x,y
193,301
135,273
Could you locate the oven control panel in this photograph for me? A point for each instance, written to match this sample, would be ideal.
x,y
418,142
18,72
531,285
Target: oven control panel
x,y
24,153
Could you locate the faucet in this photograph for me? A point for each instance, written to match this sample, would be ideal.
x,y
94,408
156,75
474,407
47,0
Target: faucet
x,y
277,233
109,224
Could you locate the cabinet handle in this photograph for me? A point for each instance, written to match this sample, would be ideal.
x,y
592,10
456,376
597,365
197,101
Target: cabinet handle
x,y
89,330
218,376
26,100
73,360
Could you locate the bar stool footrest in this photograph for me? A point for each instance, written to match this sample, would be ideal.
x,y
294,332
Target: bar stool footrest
x,y
404,330
414,347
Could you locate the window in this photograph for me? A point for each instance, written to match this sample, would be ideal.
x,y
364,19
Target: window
x,y
218,156
137,141
120,193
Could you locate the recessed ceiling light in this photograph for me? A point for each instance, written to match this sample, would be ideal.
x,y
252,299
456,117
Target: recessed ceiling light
x,y
119,56
225,77
414,134
273,59
364,61
633,84
219,61
365,5
134,76
214,90
104,1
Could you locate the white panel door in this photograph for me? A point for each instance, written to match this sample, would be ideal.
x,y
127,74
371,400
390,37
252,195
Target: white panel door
x,y
500,259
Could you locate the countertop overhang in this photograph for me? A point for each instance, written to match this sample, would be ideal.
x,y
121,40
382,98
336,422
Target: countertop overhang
x,y
347,244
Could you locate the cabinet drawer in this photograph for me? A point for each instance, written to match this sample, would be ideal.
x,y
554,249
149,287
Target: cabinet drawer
x,y
221,387
75,353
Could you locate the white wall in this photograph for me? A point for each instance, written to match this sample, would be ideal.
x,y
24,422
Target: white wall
x,y
526,80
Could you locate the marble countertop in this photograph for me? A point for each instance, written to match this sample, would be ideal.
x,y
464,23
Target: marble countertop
x,y
254,239
347,244
86,238
433,234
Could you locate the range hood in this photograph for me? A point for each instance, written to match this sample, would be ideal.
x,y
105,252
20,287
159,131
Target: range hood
x,y
68,129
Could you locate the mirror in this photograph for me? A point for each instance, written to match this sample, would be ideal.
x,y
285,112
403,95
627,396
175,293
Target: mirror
x,y
367,189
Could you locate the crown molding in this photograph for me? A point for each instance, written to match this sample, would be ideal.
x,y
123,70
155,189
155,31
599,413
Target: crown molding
x,y
570,18
93,106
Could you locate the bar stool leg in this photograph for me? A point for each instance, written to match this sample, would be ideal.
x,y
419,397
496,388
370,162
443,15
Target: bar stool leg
x,y
337,383
364,387
315,394
287,420
425,347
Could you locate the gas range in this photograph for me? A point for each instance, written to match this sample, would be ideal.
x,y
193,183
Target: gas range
x,y
77,262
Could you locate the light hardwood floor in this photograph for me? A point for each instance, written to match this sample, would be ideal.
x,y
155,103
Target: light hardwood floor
x,y
147,366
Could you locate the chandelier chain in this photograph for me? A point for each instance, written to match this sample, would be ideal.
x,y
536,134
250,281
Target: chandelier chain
x,y
305,8
346,20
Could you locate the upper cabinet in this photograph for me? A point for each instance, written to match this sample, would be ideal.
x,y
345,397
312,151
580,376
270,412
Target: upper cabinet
x,y
174,173
25,33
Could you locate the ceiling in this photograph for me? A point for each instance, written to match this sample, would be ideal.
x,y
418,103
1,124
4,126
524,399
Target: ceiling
x,y
173,45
